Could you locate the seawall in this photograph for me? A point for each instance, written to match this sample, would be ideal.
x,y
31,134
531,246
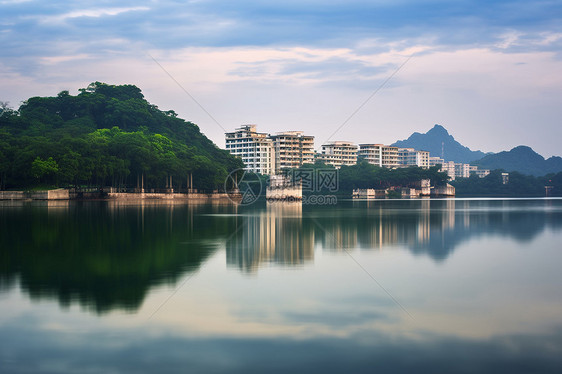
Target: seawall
x,y
62,194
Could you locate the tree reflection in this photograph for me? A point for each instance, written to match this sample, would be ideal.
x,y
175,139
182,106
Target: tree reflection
x,y
105,256
108,256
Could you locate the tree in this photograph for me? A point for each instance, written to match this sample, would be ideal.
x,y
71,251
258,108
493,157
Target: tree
x,y
44,168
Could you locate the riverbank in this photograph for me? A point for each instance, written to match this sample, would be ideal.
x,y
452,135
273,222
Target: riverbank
x,y
65,194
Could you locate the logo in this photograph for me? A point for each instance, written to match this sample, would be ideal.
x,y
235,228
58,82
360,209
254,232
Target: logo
x,y
242,187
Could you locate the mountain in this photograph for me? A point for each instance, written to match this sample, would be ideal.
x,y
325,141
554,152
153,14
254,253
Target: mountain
x,y
438,140
522,159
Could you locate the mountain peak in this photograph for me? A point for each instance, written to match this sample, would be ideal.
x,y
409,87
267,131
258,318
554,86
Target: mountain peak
x,y
440,143
438,130
523,149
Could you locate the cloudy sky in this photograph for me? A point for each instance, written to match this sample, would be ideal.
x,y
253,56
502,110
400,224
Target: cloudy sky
x,y
489,71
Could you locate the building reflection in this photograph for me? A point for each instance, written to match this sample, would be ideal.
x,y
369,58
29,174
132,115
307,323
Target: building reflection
x,y
272,235
108,256
282,234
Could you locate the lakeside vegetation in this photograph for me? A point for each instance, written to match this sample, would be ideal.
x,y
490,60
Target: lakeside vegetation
x,y
111,136
106,136
517,185
364,175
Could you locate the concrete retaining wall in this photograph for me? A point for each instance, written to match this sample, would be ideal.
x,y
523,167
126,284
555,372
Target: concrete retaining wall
x,y
59,194
169,196
62,194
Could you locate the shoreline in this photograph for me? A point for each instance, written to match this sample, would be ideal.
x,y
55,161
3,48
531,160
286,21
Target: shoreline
x,y
65,194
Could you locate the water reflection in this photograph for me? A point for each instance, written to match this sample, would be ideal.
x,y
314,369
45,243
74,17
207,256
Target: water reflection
x,y
108,256
104,255
274,234
287,233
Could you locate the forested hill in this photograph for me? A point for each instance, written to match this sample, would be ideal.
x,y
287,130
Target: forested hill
x,y
105,135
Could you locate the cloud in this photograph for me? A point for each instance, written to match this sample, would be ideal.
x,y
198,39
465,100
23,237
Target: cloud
x,y
93,13
501,57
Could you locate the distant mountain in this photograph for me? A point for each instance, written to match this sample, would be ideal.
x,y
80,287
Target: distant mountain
x,y
437,140
522,159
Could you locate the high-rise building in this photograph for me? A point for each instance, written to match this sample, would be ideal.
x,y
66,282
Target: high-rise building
x,y
481,173
412,157
462,170
292,149
379,154
255,149
338,153
434,161
449,168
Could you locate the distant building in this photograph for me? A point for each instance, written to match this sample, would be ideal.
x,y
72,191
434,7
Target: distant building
x,y
456,169
434,161
505,178
412,157
292,149
338,153
462,170
379,154
255,149
449,168
481,173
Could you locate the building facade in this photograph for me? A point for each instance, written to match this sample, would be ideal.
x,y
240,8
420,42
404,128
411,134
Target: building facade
x,y
380,155
412,157
256,149
434,161
292,149
338,153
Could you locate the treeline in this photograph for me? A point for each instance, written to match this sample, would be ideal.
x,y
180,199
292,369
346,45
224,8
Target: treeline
x,y
366,175
106,136
517,185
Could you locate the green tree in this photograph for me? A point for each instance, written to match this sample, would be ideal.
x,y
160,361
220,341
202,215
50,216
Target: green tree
x,y
44,168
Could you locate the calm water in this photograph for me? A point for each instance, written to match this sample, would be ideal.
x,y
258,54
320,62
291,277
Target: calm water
x,y
395,286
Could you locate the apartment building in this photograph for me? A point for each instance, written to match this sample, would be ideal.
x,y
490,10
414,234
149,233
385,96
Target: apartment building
x,y
338,153
412,157
379,154
449,168
462,170
292,149
481,173
434,161
256,149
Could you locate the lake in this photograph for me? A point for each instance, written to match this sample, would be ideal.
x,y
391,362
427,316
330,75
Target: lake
x,y
440,286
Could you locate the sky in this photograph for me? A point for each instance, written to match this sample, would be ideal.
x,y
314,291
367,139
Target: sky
x,y
375,71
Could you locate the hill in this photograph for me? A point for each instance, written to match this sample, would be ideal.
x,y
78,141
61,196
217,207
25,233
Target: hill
x,y
437,140
523,160
105,135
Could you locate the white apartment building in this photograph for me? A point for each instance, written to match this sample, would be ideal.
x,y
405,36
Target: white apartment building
x,y
481,173
449,168
456,169
255,149
292,149
434,161
338,153
412,157
380,155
